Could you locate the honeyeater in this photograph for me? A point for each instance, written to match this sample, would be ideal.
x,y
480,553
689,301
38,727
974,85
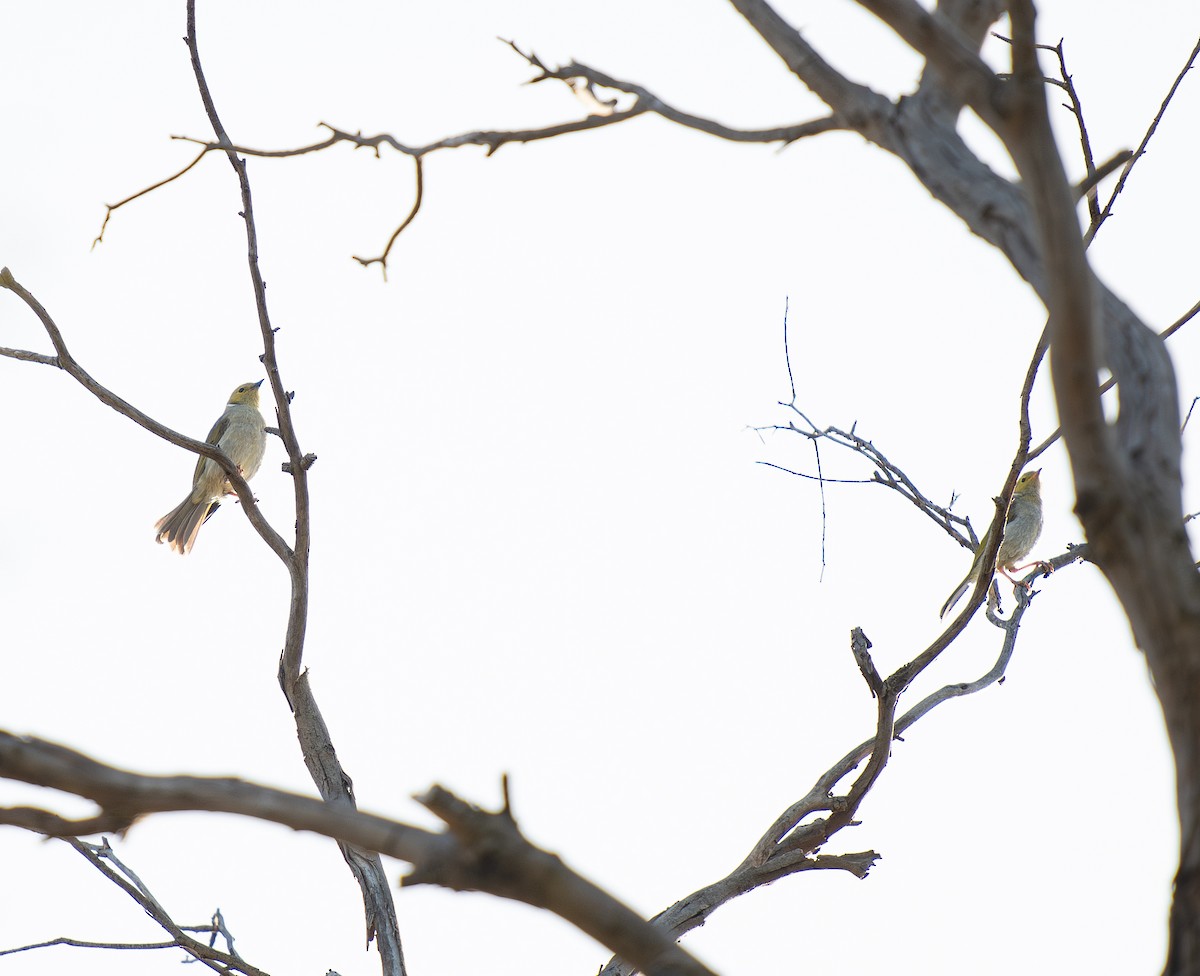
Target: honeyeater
x,y
241,433
1022,526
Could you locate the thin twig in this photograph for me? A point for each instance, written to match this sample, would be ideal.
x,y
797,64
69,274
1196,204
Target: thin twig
x,y
101,855
645,102
887,474
1109,383
110,207
1189,414
787,353
417,199
1141,149
85,944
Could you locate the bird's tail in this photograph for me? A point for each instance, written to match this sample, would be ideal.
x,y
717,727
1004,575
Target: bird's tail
x,y
954,597
179,527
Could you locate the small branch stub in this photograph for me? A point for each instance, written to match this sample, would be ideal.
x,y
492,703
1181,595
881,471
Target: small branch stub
x,y
307,462
860,647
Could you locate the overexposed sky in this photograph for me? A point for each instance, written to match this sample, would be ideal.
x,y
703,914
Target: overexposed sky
x,y
542,545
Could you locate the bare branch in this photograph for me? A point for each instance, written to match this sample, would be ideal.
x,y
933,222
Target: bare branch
x,y
645,102
480,852
958,63
66,362
1069,280
649,102
320,756
524,873
788,844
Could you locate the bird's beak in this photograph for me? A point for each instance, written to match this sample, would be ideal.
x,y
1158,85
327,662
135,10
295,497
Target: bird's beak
x,y
259,383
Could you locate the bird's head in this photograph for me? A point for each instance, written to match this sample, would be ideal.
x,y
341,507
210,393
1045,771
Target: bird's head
x,y
248,393
1029,483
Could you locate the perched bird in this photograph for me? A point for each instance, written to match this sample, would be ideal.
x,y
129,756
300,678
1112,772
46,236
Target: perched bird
x,y
1022,526
241,433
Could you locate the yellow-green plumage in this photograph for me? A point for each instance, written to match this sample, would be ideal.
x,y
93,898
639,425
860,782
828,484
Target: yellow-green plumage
x,y
241,433
1022,526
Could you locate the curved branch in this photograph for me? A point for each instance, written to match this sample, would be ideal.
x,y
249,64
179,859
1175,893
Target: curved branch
x,y
110,207
417,199
68,364
645,102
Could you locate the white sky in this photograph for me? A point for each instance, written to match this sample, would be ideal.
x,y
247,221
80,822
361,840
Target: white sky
x,y
542,545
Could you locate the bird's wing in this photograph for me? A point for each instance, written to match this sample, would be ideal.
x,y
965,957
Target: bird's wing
x,y
213,438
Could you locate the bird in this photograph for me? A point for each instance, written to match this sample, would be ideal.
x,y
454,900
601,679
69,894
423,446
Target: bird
x,y
240,433
1022,526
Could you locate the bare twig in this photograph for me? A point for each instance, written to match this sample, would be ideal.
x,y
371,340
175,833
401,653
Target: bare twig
x,y
787,353
812,477
1088,187
109,208
100,856
64,940
647,101
1067,83
887,474
644,102
1191,407
1109,383
1141,149
417,198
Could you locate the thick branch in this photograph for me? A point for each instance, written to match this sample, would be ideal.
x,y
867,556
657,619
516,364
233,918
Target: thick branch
x,y
480,851
959,66
859,107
